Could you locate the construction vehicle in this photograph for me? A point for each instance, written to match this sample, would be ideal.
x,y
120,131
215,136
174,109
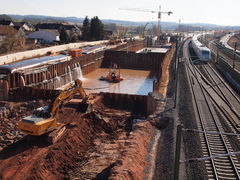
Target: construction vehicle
x,y
75,52
51,53
112,75
42,122
114,41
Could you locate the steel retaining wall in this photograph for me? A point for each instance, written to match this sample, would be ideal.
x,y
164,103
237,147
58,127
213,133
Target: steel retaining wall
x,y
132,60
140,103
46,80
131,46
87,62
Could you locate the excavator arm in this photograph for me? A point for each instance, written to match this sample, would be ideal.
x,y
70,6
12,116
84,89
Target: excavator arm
x,y
37,125
66,93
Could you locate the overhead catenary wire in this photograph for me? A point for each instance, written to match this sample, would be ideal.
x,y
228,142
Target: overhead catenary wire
x,y
209,157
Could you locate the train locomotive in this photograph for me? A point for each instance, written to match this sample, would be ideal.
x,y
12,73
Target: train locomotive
x,y
203,53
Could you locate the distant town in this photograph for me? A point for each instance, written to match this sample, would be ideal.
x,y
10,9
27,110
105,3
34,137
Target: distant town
x,y
20,33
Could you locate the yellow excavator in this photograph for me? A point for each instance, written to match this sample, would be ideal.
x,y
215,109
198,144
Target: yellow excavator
x,y
42,122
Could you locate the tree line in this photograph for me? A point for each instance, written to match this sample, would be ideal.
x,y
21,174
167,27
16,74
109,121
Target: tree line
x,y
92,30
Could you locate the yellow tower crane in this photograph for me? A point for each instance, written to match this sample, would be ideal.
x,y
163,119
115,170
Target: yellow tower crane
x,y
159,12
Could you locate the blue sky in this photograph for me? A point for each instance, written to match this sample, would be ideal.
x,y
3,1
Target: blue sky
x,y
204,11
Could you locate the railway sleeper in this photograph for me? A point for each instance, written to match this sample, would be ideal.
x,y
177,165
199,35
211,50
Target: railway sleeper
x,y
211,177
229,178
226,171
223,165
224,175
221,161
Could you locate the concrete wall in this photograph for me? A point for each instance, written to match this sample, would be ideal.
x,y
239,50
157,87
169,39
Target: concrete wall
x,y
228,52
232,75
227,67
10,58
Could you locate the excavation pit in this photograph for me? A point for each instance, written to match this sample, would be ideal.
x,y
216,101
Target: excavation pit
x,y
138,82
112,140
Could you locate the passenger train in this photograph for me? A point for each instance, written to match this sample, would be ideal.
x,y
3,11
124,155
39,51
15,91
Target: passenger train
x,y
203,53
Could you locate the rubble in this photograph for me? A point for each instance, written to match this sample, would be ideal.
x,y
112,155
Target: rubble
x,y
10,114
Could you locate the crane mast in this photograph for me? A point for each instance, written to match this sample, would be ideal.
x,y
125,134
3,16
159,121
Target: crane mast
x,y
159,12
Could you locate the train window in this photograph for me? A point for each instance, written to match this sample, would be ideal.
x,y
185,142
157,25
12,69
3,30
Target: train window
x,y
205,52
3,71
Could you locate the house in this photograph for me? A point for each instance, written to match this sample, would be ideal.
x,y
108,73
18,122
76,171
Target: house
x,y
6,23
73,31
45,35
25,26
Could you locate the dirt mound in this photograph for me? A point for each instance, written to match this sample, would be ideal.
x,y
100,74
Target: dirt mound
x,y
106,143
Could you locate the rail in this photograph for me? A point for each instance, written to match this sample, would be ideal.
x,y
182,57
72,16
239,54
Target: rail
x,y
214,145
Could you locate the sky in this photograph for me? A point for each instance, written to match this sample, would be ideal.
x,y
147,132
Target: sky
x,y
189,11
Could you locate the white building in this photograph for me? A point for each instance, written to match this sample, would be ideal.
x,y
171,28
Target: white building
x,y
45,36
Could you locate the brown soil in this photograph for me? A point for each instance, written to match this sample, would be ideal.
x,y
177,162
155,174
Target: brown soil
x,y
163,83
99,145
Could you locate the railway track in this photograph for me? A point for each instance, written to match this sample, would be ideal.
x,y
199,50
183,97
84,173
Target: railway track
x,y
222,85
221,95
220,161
225,57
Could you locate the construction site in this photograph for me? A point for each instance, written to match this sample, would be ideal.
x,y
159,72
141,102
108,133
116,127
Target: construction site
x,y
106,105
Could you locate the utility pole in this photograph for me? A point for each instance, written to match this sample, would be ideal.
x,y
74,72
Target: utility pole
x,y
179,21
159,20
217,52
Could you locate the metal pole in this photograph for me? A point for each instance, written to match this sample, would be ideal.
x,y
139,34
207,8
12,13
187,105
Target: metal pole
x,y
217,52
175,58
177,152
176,74
234,55
159,20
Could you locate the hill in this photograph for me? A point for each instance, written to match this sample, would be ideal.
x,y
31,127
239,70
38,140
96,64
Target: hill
x,y
164,25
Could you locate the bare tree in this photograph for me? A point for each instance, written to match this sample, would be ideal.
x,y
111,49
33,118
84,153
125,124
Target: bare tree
x,y
10,38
